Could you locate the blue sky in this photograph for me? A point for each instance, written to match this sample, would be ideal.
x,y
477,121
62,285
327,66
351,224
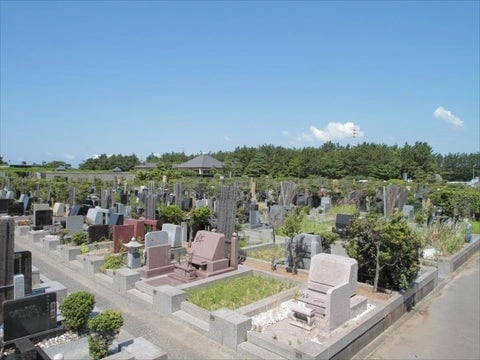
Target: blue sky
x,y
82,78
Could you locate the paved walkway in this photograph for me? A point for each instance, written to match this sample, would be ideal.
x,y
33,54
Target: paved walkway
x,y
446,325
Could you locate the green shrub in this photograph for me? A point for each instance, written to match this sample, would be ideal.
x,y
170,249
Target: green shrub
x,y
105,327
171,214
84,249
113,261
200,216
62,233
328,238
97,348
76,309
80,238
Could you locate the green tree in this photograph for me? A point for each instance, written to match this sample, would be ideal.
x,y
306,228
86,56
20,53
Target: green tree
x,y
55,164
387,250
258,166
76,309
105,327
171,214
418,161
199,219
456,200
292,224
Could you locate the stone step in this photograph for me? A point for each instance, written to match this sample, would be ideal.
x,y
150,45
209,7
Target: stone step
x,y
141,295
195,311
143,287
252,351
273,346
76,264
107,280
192,321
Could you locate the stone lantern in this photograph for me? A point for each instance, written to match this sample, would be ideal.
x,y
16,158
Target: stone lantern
x,y
133,256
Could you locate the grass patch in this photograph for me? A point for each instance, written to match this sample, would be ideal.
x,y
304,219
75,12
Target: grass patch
x,y
342,209
236,293
445,238
267,254
475,227
316,227
113,261
242,243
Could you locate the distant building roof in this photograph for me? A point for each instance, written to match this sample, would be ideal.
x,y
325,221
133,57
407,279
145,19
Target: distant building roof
x,y
60,168
200,162
117,169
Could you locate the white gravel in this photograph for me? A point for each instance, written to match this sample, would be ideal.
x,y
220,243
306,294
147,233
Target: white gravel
x,y
272,316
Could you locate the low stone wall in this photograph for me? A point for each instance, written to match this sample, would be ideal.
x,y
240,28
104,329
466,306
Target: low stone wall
x,y
447,265
263,246
69,252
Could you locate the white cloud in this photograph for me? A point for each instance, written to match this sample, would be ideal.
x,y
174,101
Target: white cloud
x,y
69,156
333,131
285,133
447,116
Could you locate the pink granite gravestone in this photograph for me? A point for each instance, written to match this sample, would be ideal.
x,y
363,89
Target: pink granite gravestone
x,y
330,293
139,227
208,253
158,261
121,234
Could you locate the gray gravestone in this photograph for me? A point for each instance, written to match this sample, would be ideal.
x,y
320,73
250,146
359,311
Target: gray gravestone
x,y
59,209
155,238
408,212
18,286
174,234
74,224
326,203
468,233
254,218
22,264
201,203
96,216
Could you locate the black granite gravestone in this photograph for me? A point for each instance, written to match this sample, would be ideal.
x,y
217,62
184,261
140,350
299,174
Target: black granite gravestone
x,y
4,205
98,233
15,208
313,201
80,210
43,218
124,199
341,224
29,315
187,204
